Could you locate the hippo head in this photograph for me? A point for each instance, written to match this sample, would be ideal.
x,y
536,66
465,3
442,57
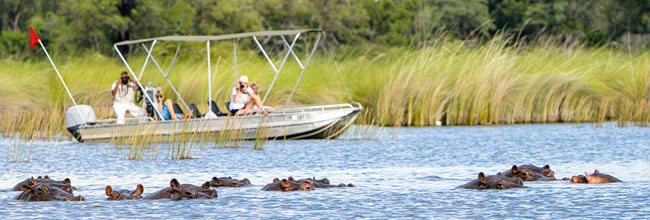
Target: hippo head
x,y
206,191
42,192
578,179
547,172
124,194
308,181
526,175
219,181
498,182
180,192
287,185
39,192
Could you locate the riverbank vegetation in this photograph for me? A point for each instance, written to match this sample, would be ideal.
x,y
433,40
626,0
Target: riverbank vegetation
x,y
456,82
408,62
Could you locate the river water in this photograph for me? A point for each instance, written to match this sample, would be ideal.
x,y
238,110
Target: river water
x,y
406,173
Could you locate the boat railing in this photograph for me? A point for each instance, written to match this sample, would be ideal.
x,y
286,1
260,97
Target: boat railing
x,y
311,108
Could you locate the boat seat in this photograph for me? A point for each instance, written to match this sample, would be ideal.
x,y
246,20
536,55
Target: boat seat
x,y
195,111
177,109
215,109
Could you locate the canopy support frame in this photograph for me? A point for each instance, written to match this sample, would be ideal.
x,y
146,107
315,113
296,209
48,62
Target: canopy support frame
x,y
284,60
313,51
166,76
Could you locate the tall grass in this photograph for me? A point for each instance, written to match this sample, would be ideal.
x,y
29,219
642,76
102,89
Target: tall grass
x,y
456,82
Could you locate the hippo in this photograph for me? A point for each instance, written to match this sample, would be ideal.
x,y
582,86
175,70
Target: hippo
x,y
58,184
31,181
595,178
229,182
45,192
124,194
179,191
287,185
494,182
531,173
322,183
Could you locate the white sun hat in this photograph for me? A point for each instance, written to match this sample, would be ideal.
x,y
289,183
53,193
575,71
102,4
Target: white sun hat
x,y
243,79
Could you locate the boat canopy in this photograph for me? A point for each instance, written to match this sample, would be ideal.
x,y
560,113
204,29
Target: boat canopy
x,y
207,38
218,37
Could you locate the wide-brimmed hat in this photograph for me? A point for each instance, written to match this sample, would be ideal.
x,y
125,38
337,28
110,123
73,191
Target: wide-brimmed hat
x,y
243,79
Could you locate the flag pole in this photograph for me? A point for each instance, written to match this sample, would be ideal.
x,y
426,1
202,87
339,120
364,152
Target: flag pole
x,y
62,82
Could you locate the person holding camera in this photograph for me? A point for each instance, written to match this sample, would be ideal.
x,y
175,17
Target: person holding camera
x,y
123,91
242,98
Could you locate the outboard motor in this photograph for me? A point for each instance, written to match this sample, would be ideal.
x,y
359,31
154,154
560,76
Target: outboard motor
x,y
73,119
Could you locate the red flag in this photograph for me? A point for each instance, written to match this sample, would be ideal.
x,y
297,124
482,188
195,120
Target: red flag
x,y
33,38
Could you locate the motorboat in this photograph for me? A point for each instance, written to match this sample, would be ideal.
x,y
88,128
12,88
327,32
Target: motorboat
x,y
324,121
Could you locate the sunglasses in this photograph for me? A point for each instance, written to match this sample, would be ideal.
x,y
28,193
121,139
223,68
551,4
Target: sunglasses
x,y
125,77
159,96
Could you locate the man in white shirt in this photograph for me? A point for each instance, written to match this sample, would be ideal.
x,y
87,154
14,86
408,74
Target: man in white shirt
x,y
242,98
123,92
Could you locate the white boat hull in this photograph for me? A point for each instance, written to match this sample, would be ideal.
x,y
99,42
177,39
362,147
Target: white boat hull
x,y
303,122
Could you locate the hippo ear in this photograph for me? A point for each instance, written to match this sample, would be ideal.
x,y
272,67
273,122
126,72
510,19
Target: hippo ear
x,y
285,183
174,184
67,181
291,179
596,171
46,177
547,167
514,169
215,180
481,178
275,180
108,190
26,189
499,174
139,189
32,180
206,185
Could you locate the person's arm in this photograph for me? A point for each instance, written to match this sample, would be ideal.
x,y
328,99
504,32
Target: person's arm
x,y
114,90
159,109
235,95
256,99
137,85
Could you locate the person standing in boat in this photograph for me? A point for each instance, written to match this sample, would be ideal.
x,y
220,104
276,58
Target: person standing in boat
x,y
123,91
243,98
